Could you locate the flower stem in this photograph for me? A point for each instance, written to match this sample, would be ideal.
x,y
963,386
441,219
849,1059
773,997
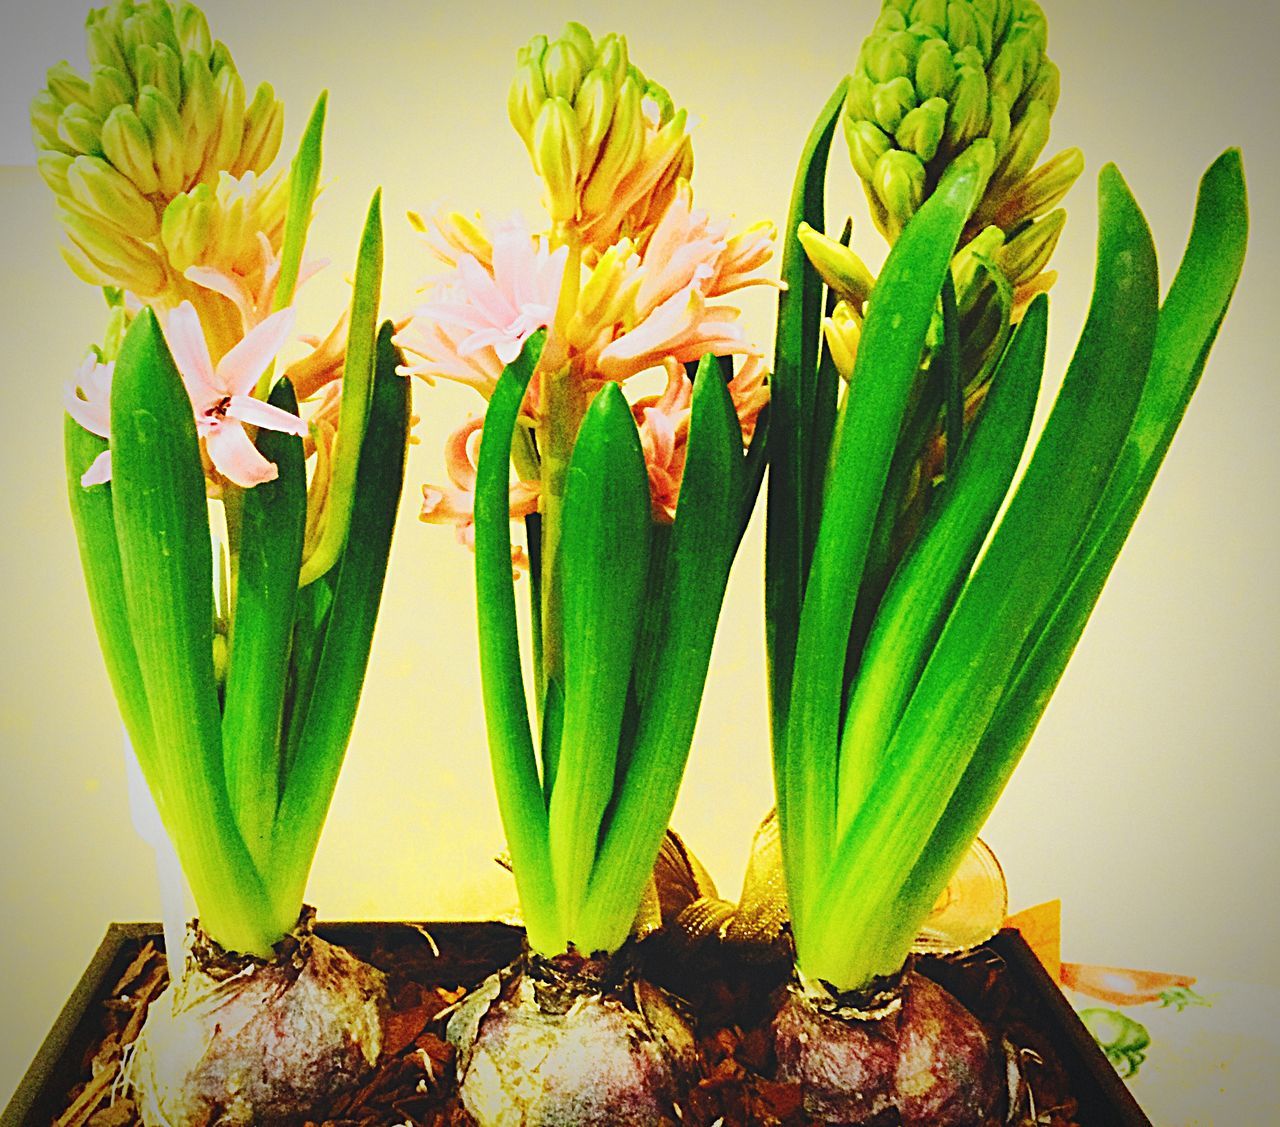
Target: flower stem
x,y
563,402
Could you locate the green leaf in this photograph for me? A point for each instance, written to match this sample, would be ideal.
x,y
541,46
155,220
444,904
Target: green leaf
x,y
515,766
92,516
357,380
304,180
1013,584
790,406
884,373
273,524
604,561
1188,323
703,542
166,559
931,575
348,633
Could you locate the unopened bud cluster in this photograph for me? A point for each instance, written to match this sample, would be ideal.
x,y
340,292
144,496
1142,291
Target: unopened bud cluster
x,y
162,110
608,143
933,77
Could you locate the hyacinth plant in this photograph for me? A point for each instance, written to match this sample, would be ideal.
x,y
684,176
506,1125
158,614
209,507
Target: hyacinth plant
x,y
633,510
233,527
909,664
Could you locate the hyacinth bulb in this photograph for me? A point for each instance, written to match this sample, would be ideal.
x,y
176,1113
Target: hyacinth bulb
x,y
608,143
162,110
936,75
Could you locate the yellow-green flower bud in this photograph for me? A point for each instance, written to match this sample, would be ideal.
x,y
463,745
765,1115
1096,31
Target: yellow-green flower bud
x,y
557,157
229,90
867,144
921,130
623,147
933,77
45,112
843,330
158,66
164,127
525,97
193,30
562,69
78,129
127,145
1028,253
1041,191
108,89
53,170
839,266
118,258
66,86
100,190
596,99
899,182
263,129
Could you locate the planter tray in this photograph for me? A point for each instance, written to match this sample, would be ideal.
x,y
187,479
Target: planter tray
x,y
1101,1095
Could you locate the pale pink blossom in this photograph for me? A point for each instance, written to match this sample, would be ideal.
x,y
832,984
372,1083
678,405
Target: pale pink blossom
x,y
663,422
87,399
455,504
252,294
476,320
221,395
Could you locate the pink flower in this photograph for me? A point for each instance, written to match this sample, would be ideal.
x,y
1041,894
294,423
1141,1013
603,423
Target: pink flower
x,y
477,319
251,294
663,422
88,400
456,504
220,396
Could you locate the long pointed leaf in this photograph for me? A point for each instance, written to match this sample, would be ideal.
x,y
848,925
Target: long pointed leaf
x,y
704,540
604,560
273,523
357,382
348,634
304,179
795,359
162,527
926,585
886,368
92,516
1188,323
511,753
999,606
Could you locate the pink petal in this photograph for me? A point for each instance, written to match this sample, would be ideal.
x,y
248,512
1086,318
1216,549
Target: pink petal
x,y
236,458
99,471
191,354
93,415
220,282
240,368
259,414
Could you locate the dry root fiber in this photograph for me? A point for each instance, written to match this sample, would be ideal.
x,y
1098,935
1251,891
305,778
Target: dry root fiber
x,y
571,1041
242,1042
913,1055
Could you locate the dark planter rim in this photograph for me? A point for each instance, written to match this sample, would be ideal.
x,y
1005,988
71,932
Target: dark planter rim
x,y
1103,1097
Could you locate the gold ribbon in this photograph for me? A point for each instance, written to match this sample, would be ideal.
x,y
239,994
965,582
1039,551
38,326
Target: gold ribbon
x,y
682,897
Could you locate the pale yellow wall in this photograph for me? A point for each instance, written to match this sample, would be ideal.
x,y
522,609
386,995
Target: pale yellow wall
x,y
1147,800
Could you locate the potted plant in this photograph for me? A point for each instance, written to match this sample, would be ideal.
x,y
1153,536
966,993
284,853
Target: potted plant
x,y
236,661
920,609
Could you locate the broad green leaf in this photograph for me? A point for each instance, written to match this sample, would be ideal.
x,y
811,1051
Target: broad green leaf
x,y
886,368
91,513
348,633
1188,323
515,766
703,542
790,405
926,585
166,561
273,523
604,561
1013,584
357,381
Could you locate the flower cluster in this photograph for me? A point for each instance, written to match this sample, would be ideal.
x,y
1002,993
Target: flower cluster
x,y
651,299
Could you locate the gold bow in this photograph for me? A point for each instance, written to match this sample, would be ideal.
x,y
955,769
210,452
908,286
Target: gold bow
x,y
682,897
